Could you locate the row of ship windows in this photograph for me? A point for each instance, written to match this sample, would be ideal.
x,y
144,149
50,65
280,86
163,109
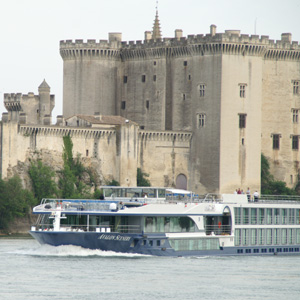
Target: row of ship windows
x,y
270,250
266,216
267,236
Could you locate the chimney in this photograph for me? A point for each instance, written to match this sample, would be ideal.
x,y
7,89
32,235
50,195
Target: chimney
x,y
213,29
178,34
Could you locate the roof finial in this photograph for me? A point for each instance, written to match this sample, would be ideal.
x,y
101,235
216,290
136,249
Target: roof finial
x,y
156,33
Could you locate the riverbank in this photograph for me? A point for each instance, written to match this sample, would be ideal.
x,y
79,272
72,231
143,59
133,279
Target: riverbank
x,y
15,236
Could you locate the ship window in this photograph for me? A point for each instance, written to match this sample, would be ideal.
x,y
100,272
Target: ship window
x,y
253,216
237,213
279,250
245,236
276,216
261,216
298,236
248,250
271,250
296,249
195,244
284,236
246,216
237,237
261,236
263,250
255,250
269,216
240,251
284,216
276,236
158,243
253,236
291,216
151,243
269,236
144,242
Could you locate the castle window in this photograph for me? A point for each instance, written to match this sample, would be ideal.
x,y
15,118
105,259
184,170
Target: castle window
x,y
202,90
201,120
123,104
242,90
296,87
295,142
147,104
154,63
154,77
276,141
190,77
183,96
143,78
86,153
125,79
242,120
185,63
295,115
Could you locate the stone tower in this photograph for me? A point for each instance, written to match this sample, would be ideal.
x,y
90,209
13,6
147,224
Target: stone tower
x,y
30,108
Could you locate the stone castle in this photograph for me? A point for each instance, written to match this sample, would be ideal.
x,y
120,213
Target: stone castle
x,y
194,112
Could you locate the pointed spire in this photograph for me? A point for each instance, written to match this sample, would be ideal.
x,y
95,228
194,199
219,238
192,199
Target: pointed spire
x,y
156,33
44,85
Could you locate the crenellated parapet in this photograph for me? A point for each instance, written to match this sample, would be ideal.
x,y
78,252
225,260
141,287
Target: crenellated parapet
x,y
170,136
28,130
91,48
229,42
12,102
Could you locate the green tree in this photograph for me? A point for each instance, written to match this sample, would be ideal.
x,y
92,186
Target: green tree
x,y
42,180
70,182
141,178
269,186
14,201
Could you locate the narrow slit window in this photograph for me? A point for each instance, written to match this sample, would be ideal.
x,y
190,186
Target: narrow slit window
x,y
276,141
242,120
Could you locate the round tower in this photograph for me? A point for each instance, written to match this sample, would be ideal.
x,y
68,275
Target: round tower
x,y
91,72
44,101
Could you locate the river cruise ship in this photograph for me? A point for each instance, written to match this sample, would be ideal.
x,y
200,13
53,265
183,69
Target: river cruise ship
x,y
169,222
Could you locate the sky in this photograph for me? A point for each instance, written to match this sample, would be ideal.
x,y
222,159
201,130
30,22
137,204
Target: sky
x,y
30,30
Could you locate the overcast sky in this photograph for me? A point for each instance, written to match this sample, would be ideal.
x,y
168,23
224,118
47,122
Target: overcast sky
x,y
30,30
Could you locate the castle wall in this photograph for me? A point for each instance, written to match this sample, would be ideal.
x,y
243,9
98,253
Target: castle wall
x,y
164,155
279,101
240,147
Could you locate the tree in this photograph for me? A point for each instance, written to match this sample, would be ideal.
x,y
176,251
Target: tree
x,y
42,180
270,186
14,201
141,178
70,182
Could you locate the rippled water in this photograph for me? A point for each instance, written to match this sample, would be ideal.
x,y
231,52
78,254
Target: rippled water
x,y
31,271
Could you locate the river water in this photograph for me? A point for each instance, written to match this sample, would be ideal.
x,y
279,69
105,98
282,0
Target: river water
x,y
31,271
